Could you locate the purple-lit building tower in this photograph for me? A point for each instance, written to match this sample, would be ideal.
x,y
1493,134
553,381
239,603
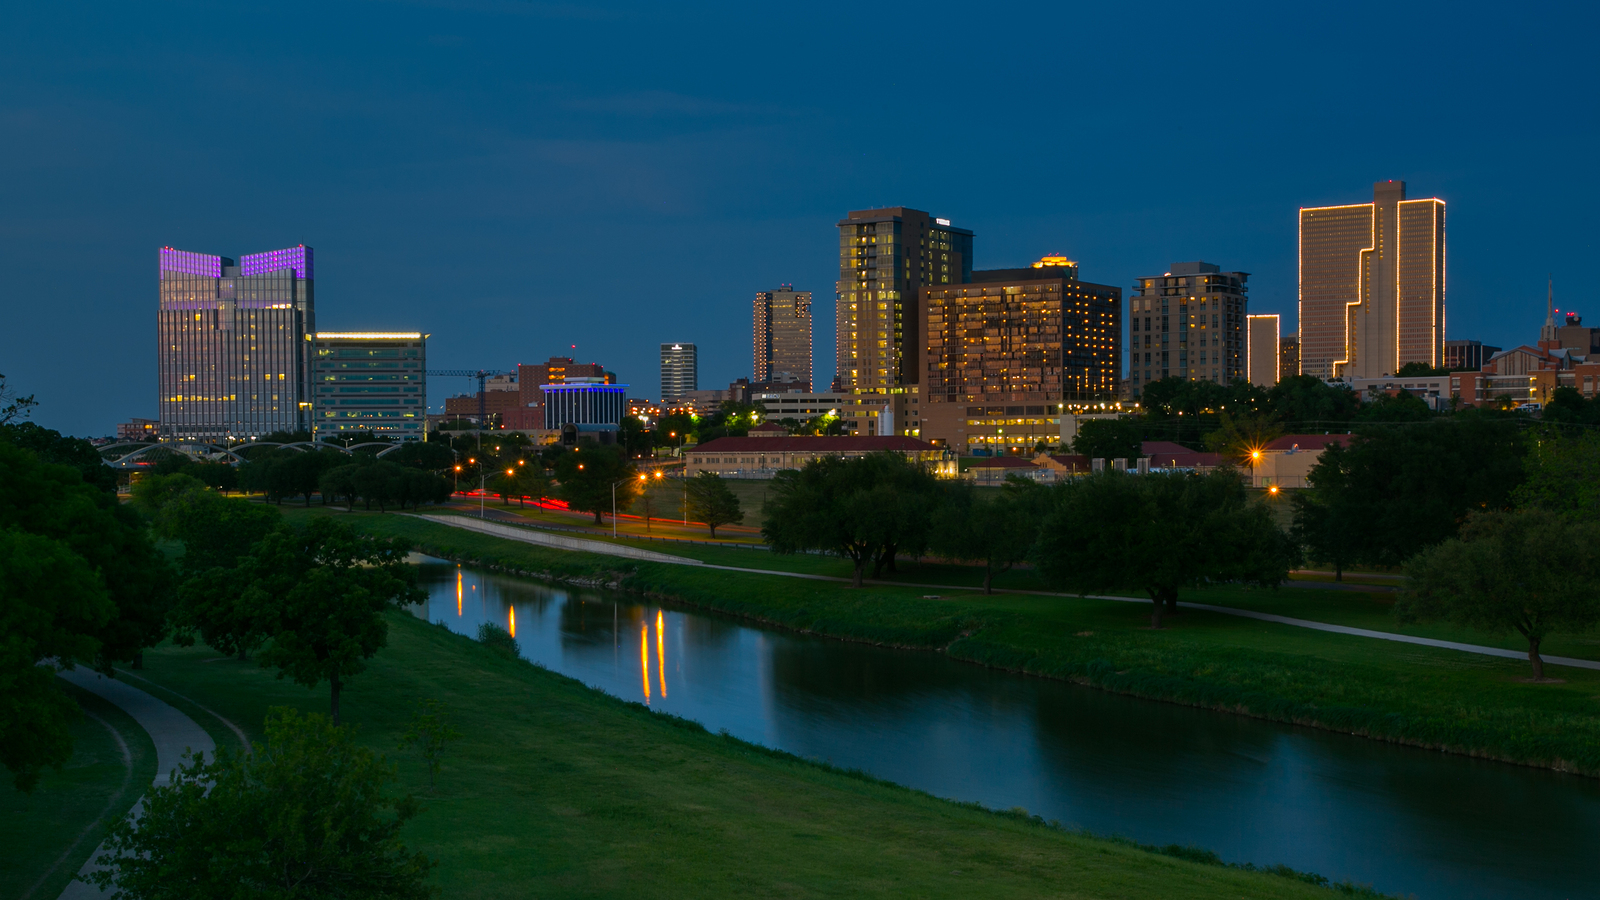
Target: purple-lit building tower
x,y
232,353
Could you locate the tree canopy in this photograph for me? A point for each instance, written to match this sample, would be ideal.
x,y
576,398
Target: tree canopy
x,y
79,583
865,509
1160,534
711,501
1531,571
588,475
320,592
1408,486
304,815
997,528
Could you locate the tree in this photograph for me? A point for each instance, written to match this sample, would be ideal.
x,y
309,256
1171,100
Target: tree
x,y
1241,437
305,815
320,593
711,501
430,730
1324,531
1304,402
216,533
999,530
1404,406
1563,476
588,476
79,583
864,509
53,447
1418,370
1567,407
1531,571
13,406
1407,487
340,483
51,605
1120,438
1159,533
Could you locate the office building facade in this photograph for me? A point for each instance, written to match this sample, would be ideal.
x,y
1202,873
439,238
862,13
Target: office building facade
x,y
782,339
680,371
231,344
1288,356
585,407
1372,285
886,257
1263,349
369,382
1011,349
1188,322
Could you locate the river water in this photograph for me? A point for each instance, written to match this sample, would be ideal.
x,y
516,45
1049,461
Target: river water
x,y
1404,820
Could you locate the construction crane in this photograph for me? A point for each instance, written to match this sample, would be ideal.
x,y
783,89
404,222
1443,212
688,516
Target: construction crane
x,y
482,375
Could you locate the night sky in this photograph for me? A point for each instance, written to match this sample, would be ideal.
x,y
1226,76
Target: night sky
x,y
517,178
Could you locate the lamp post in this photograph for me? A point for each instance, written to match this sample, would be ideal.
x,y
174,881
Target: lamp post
x,y
614,502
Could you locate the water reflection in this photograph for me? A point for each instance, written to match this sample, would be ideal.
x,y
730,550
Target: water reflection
x,y
1405,820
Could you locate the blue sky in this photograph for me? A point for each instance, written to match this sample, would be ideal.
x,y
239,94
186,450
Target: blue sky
x,y
516,178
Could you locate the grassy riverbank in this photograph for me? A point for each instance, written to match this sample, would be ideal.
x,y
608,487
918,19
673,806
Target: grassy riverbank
x,y
557,790
1441,699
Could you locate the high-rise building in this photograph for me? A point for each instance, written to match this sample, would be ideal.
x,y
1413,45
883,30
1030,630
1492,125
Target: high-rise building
x,y
680,372
1008,351
1372,285
1187,323
1467,354
783,336
1288,356
369,381
886,257
1263,349
231,344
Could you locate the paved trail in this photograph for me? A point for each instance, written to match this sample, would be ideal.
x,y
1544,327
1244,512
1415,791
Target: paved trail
x,y
532,537
173,734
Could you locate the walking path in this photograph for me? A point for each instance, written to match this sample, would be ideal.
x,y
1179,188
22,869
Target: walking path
x,y
533,537
172,732
530,536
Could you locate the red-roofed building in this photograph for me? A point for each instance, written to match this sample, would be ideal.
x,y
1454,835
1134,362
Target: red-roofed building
x,y
766,451
1167,455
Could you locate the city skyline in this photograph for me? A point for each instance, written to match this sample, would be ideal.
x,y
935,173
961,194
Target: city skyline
x,y
453,182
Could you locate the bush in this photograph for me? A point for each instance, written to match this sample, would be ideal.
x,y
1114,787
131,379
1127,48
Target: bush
x,y
499,640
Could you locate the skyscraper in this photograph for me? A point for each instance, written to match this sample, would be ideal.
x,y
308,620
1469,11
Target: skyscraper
x,y
680,371
782,336
1264,352
369,381
1372,285
1008,351
886,257
1187,323
231,344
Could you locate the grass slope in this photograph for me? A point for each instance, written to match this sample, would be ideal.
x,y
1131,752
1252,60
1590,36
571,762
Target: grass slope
x,y
1440,699
46,836
557,790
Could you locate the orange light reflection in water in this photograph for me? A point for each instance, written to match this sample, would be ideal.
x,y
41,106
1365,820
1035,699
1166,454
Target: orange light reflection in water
x,y
644,659
661,654
458,592
513,628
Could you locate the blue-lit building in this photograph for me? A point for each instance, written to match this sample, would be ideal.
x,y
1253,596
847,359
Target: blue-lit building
x,y
369,381
585,406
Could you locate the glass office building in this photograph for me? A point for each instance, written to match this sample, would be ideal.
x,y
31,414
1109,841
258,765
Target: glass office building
x,y
231,360
680,371
369,382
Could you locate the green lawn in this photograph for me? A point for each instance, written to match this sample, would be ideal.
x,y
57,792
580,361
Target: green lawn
x,y
46,836
1435,698
557,790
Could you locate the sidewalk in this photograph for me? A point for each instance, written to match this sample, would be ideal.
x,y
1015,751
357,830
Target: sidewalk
x,y
172,732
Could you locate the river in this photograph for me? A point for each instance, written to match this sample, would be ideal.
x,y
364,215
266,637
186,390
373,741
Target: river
x,y
1404,820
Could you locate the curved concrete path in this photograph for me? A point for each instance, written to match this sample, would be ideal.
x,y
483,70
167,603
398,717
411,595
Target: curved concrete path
x,y
519,534
173,733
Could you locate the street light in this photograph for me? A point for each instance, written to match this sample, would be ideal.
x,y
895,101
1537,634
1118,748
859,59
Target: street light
x,y
614,502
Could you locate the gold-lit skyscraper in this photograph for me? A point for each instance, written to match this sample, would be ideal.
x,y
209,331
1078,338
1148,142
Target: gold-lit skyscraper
x,y
782,339
1372,285
886,257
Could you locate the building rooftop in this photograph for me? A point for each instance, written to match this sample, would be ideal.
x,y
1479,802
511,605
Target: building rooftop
x,y
1003,462
830,444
